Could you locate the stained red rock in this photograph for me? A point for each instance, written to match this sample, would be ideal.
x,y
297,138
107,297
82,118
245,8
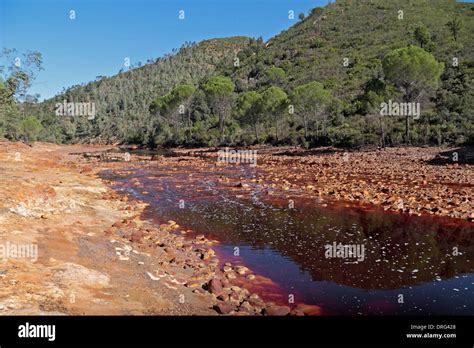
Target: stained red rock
x,y
215,287
277,310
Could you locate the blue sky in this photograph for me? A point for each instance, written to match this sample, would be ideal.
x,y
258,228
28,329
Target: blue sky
x,y
104,32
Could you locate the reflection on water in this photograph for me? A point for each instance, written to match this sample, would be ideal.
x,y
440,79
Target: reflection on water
x,y
412,265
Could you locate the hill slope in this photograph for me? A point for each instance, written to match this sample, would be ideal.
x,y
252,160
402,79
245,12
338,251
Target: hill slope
x,y
122,101
341,46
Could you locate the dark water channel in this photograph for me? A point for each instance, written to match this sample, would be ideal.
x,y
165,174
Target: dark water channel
x,y
411,265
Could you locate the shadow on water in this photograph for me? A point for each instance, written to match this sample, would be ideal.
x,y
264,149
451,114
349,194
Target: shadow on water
x,y
411,265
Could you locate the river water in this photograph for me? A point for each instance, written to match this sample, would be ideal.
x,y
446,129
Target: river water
x,y
412,265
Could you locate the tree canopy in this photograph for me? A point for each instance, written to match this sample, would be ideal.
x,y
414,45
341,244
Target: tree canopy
x,y
413,70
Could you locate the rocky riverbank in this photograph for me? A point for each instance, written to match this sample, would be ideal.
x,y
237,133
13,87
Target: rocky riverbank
x,y
96,255
416,181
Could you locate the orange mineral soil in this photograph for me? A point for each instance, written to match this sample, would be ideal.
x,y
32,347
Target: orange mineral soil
x,y
49,201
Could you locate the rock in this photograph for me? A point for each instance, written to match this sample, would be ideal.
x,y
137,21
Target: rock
x,y
152,277
170,253
208,254
277,310
223,297
399,205
241,269
250,277
225,283
214,263
236,298
187,248
297,312
119,224
193,284
71,273
199,291
215,286
243,312
256,303
248,308
224,308
230,275
309,309
123,233
236,288
136,236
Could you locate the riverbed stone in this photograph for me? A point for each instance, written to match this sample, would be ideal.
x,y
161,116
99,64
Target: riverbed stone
x,y
309,309
297,312
215,286
136,236
224,308
208,254
241,269
277,310
230,275
257,303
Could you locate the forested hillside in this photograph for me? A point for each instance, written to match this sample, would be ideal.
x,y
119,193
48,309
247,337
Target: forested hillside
x,y
122,101
321,82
